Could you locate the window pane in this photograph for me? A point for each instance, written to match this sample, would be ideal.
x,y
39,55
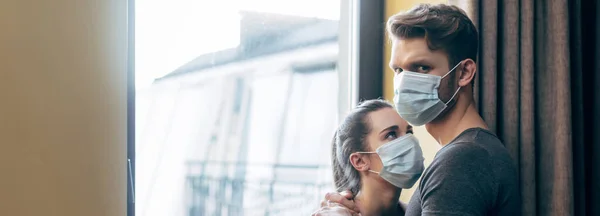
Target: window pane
x,y
236,105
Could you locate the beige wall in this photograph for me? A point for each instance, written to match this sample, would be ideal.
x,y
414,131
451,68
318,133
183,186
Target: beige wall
x,y
428,144
63,107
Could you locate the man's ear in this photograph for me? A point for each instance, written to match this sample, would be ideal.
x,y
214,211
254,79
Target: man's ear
x,y
467,73
360,161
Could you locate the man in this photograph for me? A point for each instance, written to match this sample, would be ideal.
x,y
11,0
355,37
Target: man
x,y
434,49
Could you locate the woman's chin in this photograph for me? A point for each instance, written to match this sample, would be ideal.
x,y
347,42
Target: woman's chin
x,y
388,186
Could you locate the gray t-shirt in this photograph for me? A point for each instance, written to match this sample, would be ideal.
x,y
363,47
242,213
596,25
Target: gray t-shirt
x,y
472,175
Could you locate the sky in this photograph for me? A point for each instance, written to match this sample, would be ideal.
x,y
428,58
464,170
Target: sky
x,y
170,33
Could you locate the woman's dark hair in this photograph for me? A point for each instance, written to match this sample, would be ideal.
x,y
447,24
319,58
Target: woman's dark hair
x,y
350,138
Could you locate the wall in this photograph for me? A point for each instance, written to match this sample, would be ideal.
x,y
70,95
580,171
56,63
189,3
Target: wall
x,y
428,143
63,107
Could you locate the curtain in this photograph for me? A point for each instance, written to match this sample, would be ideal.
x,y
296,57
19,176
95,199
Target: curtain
x,y
537,90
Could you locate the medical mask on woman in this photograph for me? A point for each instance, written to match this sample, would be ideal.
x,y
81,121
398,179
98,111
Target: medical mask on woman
x,y
402,161
416,96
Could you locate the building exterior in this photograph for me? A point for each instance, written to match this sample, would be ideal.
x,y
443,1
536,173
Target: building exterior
x,y
243,131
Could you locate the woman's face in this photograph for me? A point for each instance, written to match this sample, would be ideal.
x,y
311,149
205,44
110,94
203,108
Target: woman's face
x,y
386,125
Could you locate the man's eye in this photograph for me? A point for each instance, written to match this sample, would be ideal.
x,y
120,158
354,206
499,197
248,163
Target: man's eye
x,y
423,69
397,70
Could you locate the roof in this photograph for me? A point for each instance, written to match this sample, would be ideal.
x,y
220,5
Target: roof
x,y
264,34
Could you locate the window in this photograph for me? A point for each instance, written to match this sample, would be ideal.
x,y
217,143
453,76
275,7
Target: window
x,y
236,103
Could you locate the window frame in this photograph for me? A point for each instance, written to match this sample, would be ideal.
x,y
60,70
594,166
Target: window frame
x,y
130,108
370,18
361,52
360,68
347,94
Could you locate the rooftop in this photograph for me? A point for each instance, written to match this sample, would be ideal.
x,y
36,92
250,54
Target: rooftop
x,y
265,34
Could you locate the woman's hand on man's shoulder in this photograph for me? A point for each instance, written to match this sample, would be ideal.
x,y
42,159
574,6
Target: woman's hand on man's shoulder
x,y
338,204
334,209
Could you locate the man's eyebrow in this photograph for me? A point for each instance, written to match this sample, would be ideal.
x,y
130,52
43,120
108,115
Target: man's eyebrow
x,y
412,61
419,61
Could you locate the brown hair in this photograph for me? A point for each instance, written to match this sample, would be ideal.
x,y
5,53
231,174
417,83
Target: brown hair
x,y
350,138
444,27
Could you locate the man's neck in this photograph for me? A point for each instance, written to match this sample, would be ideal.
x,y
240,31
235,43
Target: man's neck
x,y
377,201
463,116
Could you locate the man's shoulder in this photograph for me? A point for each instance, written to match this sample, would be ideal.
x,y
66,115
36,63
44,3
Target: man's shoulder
x,y
461,156
474,142
462,169
477,157
461,150
475,135
473,151
474,167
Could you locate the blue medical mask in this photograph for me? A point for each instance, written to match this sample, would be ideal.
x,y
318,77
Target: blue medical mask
x,y
416,96
402,161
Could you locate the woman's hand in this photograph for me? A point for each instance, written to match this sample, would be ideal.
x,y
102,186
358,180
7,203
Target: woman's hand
x,y
344,199
334,209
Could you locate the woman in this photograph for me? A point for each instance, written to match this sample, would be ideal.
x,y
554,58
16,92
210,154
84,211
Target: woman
x,y
374,155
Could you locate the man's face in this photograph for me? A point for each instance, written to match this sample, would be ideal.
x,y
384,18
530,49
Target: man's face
x,y
414,55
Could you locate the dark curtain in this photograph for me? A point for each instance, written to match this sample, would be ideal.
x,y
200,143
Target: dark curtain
x,y
538,88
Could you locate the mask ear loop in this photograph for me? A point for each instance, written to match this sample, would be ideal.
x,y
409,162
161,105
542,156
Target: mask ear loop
x,y
456,92
373,172
364,153
452,69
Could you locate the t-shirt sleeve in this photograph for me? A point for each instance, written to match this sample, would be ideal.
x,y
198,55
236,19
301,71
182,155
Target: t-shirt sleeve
x,y
459,182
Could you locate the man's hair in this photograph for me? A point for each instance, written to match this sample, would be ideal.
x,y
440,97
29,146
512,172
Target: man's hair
x,y
444,27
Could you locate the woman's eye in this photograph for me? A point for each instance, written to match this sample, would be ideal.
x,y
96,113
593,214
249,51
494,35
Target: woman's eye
x,y
391,135
397,70
410,131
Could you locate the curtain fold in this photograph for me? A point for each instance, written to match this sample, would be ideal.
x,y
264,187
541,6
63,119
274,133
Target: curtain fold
x,y
536,89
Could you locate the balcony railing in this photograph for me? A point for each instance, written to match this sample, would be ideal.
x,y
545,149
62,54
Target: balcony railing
x,y
238,188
